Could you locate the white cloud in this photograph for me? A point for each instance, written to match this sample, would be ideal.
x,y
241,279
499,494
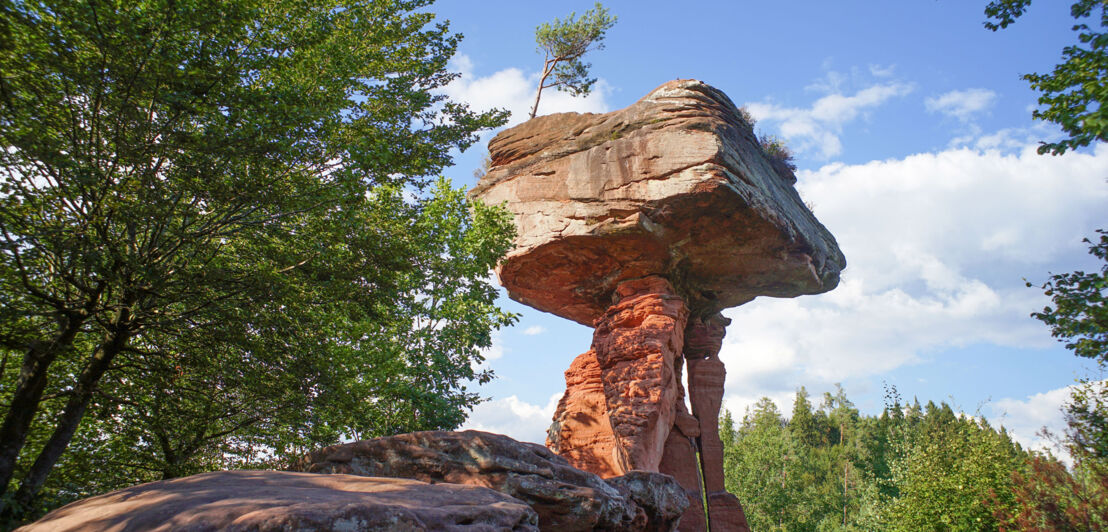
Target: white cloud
x,y
534,330
1025,418
818,127
514,90
937,246
961,104
514,418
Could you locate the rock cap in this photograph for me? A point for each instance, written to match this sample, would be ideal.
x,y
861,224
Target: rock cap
x,y
676,185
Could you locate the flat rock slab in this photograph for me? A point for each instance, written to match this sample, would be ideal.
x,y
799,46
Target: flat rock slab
x,y
281,501
675,185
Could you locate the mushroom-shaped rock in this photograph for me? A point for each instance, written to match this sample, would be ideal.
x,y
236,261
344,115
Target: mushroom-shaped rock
x,y
674,185
645,223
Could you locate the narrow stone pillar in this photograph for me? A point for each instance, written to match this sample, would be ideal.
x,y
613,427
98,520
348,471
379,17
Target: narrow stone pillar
x,y
679,461
704,338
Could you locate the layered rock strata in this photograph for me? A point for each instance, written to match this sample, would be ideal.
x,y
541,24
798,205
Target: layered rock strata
x,y
645,223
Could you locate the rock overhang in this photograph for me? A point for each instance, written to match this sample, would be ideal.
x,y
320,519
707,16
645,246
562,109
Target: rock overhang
x,y
674,185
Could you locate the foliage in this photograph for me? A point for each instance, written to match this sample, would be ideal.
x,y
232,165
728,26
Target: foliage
x,y
745,115
1080,312
944,468
831,468
777,150
1087,420
1050,498
563,44
220,241
1076,92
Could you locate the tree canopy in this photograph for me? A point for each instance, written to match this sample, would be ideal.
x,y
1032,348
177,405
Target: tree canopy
x,y
564,44
221,236
914,467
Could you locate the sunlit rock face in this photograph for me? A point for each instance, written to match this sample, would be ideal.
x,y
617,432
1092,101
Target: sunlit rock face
x,y
676,185
645,223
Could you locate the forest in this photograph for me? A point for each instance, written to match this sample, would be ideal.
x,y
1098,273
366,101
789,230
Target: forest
x,y
914,467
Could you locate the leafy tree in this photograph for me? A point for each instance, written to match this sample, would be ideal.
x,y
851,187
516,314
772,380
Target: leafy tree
x,y
945,469
563,44
1080,312
1075,94
755,461
228,203
1076,91
914,468
1050,498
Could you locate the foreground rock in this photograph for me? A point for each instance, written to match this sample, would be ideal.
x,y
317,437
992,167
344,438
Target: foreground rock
x,y
661,498
645,223
565,498
281,501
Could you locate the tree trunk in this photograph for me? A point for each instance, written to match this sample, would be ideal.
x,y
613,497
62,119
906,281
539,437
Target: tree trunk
x,y
29,388
70,418
547,68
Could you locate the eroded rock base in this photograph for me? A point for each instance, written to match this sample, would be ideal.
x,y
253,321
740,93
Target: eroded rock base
x,y
624,405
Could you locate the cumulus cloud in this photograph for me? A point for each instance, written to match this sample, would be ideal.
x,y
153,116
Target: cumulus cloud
x,y
514,90
938,245
1025,418
514,418
817,128
961,104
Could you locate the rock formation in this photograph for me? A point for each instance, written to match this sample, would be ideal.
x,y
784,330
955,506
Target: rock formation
x,y
275,501
565,498
645,223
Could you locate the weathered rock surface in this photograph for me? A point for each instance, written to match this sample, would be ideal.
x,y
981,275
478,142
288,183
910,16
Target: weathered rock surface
x,y
645,223
565,498
660,496
674,185
279,501
636,343
679,461
581,431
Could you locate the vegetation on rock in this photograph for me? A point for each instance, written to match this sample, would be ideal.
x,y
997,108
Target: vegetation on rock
x,y
563,44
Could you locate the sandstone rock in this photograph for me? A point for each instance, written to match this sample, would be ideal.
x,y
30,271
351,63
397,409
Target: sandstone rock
x,y
674,185
645,223
279,501
706,377
581,431
704,336
662,498
679,461
725,513
564,498
636,343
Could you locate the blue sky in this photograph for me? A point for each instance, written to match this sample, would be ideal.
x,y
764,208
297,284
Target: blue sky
x,y
915,143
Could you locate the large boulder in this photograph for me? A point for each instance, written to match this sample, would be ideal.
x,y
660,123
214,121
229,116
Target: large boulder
x,y
564,497
260,501
675,185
